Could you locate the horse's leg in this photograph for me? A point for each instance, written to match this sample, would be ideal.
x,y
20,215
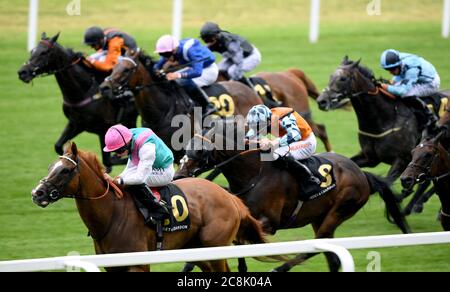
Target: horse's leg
x,y
396,169
204,266
418,207
139,269
363,161
188,267
416,198
220,266
321,132
70,131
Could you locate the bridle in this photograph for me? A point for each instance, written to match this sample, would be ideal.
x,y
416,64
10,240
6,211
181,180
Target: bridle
x,y
40,71
121,85
56,192
426,171
206,166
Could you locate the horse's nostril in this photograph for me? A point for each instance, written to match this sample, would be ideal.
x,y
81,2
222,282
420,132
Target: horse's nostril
x,y
37,193
407,181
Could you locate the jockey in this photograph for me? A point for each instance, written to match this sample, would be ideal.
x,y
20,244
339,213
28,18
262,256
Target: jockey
x,y
200,71
239,56
295,139
149,163
110,44
414,77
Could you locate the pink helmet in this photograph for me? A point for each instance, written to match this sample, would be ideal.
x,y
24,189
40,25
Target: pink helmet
x,y
166,43
117,137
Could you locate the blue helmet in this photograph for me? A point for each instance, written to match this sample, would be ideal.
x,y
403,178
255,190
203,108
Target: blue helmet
x,y
390,59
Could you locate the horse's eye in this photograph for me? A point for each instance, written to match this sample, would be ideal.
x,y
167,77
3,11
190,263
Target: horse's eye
x,y
343,78
65,171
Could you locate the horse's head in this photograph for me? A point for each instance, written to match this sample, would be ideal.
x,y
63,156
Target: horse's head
x,y
61,179
341,86
424,159
121,75
42,59
223,140
198,158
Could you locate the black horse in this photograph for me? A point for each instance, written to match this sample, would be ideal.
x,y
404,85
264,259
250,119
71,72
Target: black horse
x,y
272,192
78,82
388,129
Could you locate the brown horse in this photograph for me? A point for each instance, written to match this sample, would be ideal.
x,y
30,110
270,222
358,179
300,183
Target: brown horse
x,y
272,192
159,100
292,88
217,217
431,162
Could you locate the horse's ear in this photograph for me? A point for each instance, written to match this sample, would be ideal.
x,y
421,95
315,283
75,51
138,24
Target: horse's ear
x,y
133,54
345,61
438,137
44,36
356,64
55,38
74,149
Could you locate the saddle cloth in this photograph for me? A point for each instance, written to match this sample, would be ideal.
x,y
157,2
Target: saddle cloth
x,y
177,204
322,168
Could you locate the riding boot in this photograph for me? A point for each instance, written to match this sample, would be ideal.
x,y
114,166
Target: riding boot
x,y
145,195
300,169
424,115
202,98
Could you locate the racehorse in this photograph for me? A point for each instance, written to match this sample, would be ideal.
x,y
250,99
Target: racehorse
x,y
159,100
272,193
292,88
115,224
431,162
388,129
79,84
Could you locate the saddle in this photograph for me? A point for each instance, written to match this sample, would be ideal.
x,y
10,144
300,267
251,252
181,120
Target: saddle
x,y
265,92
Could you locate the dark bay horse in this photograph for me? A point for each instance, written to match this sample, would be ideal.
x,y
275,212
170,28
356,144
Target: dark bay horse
x,y
159,101
431,162
217,217
292,88
272,193
79,85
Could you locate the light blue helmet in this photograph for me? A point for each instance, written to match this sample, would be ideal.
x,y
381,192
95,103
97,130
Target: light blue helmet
x,y
257,115
390,59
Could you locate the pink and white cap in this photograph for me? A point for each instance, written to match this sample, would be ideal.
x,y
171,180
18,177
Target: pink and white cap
x,y
116,137
166,43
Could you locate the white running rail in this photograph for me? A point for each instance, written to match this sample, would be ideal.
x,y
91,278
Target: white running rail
x,y
339,246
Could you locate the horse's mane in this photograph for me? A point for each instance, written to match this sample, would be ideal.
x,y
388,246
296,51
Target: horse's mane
x,y
92,161
365,71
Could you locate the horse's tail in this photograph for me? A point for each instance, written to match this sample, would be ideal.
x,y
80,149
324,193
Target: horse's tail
x,y
377,184
310,86
251,231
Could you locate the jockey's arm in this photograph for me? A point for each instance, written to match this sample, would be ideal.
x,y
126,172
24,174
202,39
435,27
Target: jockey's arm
x,y
141,173
196,68
114,51
403,87
293,134
158,66
237,56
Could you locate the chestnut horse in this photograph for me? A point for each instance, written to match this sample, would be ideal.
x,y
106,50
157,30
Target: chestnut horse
x,y
159,101
272,192
217,217
292,88
431,162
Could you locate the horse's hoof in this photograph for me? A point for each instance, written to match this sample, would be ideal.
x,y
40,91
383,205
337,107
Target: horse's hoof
x,y
418,208
108,169
273,271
